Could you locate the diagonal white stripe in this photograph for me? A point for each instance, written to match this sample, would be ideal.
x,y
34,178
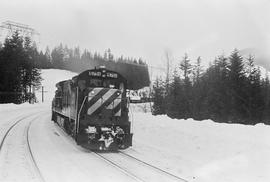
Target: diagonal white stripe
x,y
93,93
103,99
118,113
115,102
118,102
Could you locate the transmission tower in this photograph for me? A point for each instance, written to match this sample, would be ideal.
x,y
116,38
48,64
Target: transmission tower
x,y
22,29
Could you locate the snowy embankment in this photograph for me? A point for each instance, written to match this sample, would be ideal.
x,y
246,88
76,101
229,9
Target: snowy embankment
x,y
202,151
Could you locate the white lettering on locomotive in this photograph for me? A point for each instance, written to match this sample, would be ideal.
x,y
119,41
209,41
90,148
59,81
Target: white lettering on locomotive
x,y
94,73
112,75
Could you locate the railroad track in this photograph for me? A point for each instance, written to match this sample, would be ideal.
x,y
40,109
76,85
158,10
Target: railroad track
x,y
139,162
126,172
10,128
154,167
27,127
31,153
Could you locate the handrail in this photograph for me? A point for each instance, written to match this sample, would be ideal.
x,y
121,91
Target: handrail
x,y
79,114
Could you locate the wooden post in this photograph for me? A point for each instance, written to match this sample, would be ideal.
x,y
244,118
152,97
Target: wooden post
x,y
42,93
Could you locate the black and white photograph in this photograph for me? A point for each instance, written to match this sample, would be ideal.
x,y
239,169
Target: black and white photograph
x,y
134,90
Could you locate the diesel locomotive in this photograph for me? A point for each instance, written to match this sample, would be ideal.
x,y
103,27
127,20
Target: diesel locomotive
x,y
92,107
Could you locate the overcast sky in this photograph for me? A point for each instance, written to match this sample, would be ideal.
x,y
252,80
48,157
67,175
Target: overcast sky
x,y
146,28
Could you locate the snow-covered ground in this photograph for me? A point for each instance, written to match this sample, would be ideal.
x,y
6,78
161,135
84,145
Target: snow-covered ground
x,y
199,151
204,150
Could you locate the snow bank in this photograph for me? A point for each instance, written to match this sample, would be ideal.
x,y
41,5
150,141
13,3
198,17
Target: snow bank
x,y
12,107
204,150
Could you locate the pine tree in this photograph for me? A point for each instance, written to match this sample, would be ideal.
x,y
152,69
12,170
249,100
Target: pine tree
x,y
174,97
57,56
186,69
12,57
254,92
238,102
266,97
216,78
158,97
48,57
197,89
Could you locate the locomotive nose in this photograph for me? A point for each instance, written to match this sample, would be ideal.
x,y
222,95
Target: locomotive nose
x,y
104,101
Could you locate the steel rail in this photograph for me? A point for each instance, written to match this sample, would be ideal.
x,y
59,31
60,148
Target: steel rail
x,y
154,167
27,139
10,128
31,153
119,167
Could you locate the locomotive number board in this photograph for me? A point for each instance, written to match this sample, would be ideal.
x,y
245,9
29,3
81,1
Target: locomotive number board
x,y
103,75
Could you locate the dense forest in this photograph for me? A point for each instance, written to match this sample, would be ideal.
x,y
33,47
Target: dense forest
x,y
230,90
62,57
18,70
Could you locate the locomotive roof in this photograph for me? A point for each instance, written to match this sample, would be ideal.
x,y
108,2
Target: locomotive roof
x,y
62,82
86,73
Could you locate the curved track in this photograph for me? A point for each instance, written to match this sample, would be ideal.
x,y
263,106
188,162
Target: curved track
x,y
154,167
16,140
137,168
31,153
22,157
10,128
119,167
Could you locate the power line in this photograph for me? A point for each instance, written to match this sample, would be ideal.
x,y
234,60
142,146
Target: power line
x,y
22,29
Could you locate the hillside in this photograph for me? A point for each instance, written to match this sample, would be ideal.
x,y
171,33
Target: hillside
x,y
50,78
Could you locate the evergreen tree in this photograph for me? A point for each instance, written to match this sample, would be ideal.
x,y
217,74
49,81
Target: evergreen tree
x,y
57,56
158,97
32,75
12,56
253,90
197,90
266,97
186,69
237,82
48,58
177,105
216,85
197,70
110,55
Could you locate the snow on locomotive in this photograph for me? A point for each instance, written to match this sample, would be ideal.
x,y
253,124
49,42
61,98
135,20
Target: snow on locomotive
x,y
92,107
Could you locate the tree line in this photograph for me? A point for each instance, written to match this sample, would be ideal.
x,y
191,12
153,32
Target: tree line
x,y
21,61
73,59
230,90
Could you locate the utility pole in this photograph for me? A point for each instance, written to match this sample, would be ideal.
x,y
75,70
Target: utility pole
x,y
42,93
42,90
